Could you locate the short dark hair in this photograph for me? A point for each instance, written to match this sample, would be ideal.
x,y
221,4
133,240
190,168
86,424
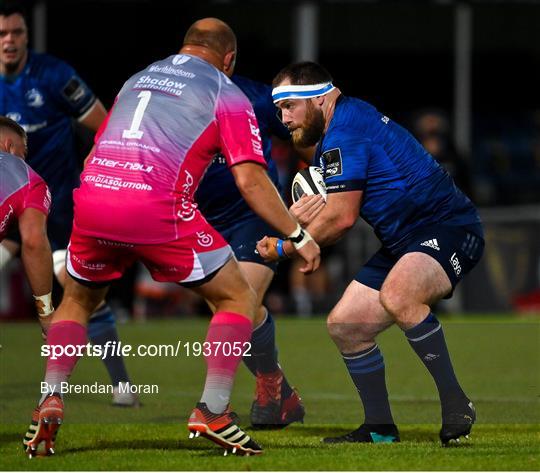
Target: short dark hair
x,y
303,73
8,8
12,125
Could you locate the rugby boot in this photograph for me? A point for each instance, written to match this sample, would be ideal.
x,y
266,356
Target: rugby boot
x,y
458,416
269,409
368,433
46,420
266,407
292,409
222,429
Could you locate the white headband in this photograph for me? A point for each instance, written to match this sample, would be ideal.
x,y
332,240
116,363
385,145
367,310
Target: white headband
x,y
301,91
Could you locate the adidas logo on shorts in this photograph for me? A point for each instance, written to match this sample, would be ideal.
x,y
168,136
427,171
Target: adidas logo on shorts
x,y
432,244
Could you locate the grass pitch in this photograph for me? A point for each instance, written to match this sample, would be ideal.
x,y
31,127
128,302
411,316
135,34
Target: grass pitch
x,y
497,360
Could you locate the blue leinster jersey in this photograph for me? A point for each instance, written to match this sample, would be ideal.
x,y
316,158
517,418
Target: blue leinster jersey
x,y
404,187
218,197
42,99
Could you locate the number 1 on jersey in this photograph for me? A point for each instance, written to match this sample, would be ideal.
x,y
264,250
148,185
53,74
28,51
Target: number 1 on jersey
x,y
134,131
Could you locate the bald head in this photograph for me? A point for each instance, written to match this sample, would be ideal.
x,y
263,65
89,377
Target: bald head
x,y
213,34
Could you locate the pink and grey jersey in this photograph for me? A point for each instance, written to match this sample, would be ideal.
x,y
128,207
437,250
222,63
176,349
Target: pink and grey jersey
x,y
20,188
167,123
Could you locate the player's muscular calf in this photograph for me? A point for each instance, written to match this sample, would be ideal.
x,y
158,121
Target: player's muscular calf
x,y
357,319
78,302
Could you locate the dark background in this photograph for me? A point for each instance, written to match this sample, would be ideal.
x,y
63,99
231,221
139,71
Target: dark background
x,y
398,55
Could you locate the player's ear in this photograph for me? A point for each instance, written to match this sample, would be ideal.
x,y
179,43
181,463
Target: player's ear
x,y
228,63
9,145
320,100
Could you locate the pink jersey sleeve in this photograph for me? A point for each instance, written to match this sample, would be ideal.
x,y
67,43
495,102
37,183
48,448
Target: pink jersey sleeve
x,y
37,195
239,131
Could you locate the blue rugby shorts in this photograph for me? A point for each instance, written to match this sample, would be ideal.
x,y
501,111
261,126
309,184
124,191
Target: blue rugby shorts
x,y
456,248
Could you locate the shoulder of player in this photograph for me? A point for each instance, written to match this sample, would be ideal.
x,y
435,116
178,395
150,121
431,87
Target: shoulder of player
x,y
260,96
232,93
352,109
18,170
343,139
355,118
33,175
45,66
254,89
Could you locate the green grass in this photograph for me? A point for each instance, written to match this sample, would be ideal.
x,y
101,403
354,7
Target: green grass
x,y
497,360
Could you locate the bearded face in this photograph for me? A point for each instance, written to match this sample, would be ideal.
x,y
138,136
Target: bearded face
x,y
311,130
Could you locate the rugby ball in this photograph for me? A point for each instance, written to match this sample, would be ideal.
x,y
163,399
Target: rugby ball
x,y
308,181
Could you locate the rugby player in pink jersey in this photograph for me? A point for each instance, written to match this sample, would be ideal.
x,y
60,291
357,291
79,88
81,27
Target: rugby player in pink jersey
x,y
136,202
25,200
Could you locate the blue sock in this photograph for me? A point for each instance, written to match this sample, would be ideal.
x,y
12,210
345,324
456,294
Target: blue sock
x,y
102,329
367,371
427,340
263,351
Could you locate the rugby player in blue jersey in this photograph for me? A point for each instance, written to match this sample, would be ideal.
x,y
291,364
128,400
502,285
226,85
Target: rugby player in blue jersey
x,y
276,403
430,232
44,94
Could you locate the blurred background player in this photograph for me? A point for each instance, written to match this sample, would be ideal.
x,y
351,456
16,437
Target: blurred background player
x,y
276,403
25,199
430,232
44,94
432,128
163,133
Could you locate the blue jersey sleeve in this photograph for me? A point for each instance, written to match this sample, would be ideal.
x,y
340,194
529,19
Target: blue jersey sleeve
x,y
69,91
344,160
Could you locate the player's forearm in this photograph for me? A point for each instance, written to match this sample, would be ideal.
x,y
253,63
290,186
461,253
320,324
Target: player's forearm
x,y
262,196
37,261
94,117
325,230
338,215
265,201
328,227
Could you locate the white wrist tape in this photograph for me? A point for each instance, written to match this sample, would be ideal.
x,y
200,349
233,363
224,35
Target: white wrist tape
x,y
296,232
307,238
47,308
299,237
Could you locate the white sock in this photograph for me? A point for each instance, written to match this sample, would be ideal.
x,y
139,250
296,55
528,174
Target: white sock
x,y
5,256
59,261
